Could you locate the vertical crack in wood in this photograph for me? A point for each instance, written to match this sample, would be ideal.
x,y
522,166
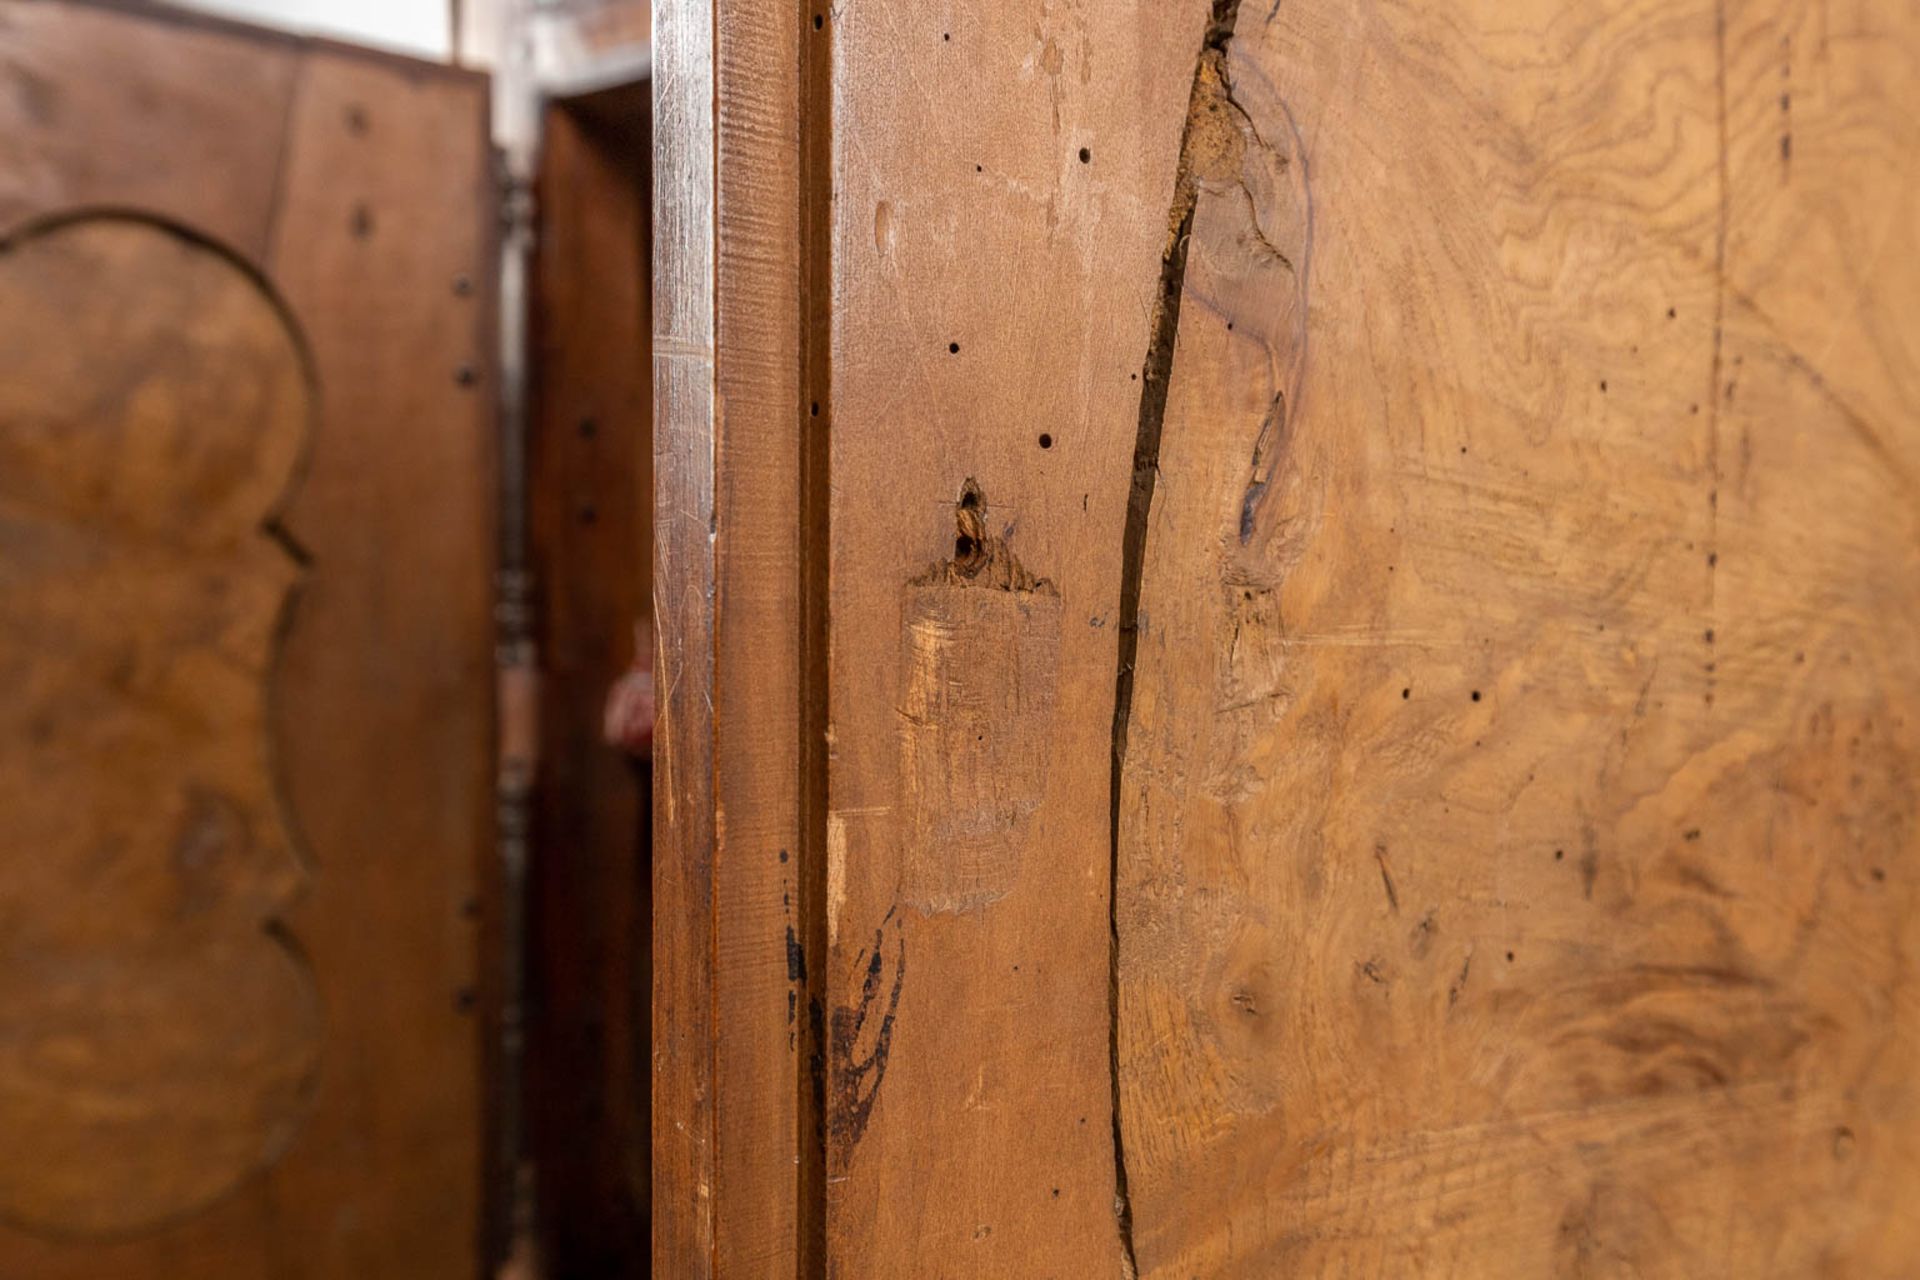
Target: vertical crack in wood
x,y
815,413
1155,375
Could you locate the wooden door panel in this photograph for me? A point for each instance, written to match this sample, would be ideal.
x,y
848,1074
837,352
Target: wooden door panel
x,y
985,397
349,194
176,117
1519,802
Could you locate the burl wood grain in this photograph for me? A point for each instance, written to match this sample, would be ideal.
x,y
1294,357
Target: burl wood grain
x,y
358,184
158,1038
1518,842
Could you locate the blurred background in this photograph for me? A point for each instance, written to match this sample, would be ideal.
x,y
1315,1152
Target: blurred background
x,y
325,533
423,28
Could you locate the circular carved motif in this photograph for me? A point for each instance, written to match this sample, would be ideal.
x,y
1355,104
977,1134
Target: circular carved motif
x,y
158,1037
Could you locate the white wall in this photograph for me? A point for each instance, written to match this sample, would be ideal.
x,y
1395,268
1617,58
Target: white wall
x,y
419,27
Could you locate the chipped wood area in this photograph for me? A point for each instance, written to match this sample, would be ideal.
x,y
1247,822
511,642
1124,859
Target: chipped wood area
x,y
160,1045
1517,825
980,651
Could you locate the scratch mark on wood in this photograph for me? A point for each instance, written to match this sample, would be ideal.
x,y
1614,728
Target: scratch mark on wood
x,y
1386,877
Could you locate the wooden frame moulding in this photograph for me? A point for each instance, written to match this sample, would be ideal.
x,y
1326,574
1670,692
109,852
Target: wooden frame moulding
x,y
740,426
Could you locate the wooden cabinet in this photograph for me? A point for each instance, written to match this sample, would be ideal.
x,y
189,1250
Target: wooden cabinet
x,y
1287,638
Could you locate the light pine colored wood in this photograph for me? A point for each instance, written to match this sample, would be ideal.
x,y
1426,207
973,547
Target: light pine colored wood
x,y
1519,847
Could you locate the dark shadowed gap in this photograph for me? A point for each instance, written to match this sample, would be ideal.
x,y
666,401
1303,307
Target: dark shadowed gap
x,y
816,414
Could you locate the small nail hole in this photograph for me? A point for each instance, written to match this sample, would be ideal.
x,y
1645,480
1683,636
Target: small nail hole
x,y
1086,155
953,348
1046,440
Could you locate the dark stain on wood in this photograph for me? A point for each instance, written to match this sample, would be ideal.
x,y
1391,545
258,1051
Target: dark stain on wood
x,y
861,1044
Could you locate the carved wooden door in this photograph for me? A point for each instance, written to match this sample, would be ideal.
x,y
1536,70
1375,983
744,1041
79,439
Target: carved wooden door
x,y
245,552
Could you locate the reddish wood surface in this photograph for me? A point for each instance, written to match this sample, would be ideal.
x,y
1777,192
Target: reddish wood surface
x,y
182,120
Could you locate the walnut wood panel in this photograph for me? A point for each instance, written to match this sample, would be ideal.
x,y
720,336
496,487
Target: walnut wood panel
x,y
370,218
184,121
1001,176
158,1045
387,674
588,879
1519,830
767,1137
